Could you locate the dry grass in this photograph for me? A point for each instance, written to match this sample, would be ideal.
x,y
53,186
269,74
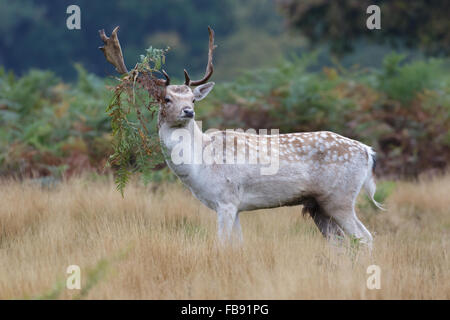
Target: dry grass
x,y
161,245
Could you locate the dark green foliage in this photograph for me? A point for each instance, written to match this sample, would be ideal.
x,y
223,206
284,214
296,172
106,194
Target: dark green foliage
x,y
45,124
33,33
419,24
403,82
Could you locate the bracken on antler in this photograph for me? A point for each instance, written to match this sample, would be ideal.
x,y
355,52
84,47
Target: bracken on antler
x,y
113,54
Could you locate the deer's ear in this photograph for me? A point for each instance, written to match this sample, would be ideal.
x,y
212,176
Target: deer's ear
x,y
202,91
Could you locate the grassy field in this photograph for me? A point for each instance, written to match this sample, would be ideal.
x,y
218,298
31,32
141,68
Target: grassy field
x,y
160,244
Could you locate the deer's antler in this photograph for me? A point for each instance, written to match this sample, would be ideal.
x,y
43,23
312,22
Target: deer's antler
x,y
167,81
209,67
113,54
113,51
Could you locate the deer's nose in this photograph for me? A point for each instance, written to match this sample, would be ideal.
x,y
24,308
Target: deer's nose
x,y
188,112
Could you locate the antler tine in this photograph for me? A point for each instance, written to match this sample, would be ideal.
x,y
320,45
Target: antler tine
x,y
167,82
113,51
187,80
209,66
163,82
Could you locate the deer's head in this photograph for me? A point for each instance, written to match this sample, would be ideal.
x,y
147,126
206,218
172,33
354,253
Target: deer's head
x,y
177,103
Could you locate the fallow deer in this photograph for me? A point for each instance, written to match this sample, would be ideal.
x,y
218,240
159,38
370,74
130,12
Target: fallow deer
x,y
322,171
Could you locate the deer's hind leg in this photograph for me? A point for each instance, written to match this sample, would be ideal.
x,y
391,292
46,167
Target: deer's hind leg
x,y
326,224
346,218
367,235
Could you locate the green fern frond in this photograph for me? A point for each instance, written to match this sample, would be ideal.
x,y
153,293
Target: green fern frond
x,y
131,110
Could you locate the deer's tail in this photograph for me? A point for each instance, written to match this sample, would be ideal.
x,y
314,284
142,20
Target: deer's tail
x,y
369,184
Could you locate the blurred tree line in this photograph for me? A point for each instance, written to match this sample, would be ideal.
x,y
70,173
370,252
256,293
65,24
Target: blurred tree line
x,y
33,34
252,33
423,24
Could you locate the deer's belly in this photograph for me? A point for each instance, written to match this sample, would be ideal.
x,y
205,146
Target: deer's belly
x,y
271,193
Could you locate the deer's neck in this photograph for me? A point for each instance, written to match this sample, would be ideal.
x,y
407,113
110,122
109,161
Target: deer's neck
x,y
180,146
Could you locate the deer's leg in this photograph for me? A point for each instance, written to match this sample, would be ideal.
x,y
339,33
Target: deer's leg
x,y
237,230
226,216
347,220
368,239
327,225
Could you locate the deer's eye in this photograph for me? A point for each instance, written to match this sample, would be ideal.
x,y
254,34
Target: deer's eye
x,y
167,100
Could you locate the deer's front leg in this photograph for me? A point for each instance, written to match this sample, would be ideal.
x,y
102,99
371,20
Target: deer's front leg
x,y
226,216
237,230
